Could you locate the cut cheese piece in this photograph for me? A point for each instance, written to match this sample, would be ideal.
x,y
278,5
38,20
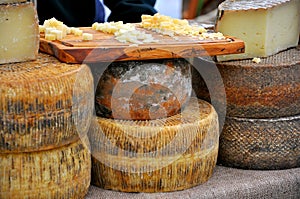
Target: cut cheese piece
x,y
19,35
267,89
181,133
60,173
181,172
260,143
266,27
141,90
44,104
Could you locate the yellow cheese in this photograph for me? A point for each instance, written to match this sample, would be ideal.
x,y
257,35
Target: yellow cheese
x,y
19,35
44,104
266,27
60,173
166,154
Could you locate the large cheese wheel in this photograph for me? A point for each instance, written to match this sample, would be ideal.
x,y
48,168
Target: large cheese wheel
x,y
140,90
260,143
59,173
267,89
181,133
156,155
44,104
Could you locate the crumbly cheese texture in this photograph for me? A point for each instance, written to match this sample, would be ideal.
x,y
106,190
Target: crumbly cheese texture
x,y
19,35
266,27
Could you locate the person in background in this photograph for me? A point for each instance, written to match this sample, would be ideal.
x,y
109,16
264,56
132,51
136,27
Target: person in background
x,y
78,13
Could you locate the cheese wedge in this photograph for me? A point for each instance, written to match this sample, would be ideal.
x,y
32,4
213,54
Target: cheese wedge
x,y
19,35
266,27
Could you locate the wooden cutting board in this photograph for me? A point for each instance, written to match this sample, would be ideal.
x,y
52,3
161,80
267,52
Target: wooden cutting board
x,y
105,48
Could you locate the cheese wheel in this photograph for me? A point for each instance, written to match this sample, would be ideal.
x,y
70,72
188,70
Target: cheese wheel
x,y
196,127
177,173
59,173
260,143
267,89
44,104
141,90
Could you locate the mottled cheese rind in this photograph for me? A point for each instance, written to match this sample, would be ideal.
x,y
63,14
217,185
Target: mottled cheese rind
x,y
270,88
141,90
59,173
19,35
266,27
44,104
194,128
260,143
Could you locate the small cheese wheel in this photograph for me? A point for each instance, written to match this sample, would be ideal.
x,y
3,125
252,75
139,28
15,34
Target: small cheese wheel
x,y
141,90
178,173
267,89
196,127
59,173
260,143
44,104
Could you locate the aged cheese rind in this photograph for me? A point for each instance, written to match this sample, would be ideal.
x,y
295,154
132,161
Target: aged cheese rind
x,y
44,104
19,35
260,143
142,90
267,89
181,173
266,27
60,173
196,127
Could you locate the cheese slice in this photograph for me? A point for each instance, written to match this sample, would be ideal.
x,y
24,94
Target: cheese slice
x,y
19,35
266,27
59,173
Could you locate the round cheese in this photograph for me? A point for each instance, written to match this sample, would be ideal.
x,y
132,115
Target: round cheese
x,y
260,143
141,90
59,173
267,89
167,154
181,133
44,104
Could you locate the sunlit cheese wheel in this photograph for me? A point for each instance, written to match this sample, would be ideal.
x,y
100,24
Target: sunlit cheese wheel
x,y
181,133
267,89
44,104
169,154
141,90
59,173
260,143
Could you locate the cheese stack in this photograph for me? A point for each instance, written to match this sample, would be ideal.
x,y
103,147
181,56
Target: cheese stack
x,y
45,112
261,129
149,134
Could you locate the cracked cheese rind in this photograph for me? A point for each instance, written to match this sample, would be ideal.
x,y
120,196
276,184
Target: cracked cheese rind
x,y
19,35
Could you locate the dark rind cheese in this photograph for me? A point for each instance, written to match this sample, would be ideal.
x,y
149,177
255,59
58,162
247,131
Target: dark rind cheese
x,y
267,89
141,90
260,143
59,173
44,104
194,129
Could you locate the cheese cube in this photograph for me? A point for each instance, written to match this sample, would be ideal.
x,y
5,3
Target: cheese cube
x,y
19,35
266,27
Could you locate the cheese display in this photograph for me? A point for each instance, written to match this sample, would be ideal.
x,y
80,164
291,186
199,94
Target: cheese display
x,y
59,173
166,154
270,88
19,35
141,90
260,143
44,104
266,27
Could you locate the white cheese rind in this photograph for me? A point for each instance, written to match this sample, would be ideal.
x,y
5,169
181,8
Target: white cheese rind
x,y
266,27
19,35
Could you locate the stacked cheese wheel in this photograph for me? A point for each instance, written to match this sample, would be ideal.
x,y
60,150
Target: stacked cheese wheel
x,y
45,112
135,149
262,127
